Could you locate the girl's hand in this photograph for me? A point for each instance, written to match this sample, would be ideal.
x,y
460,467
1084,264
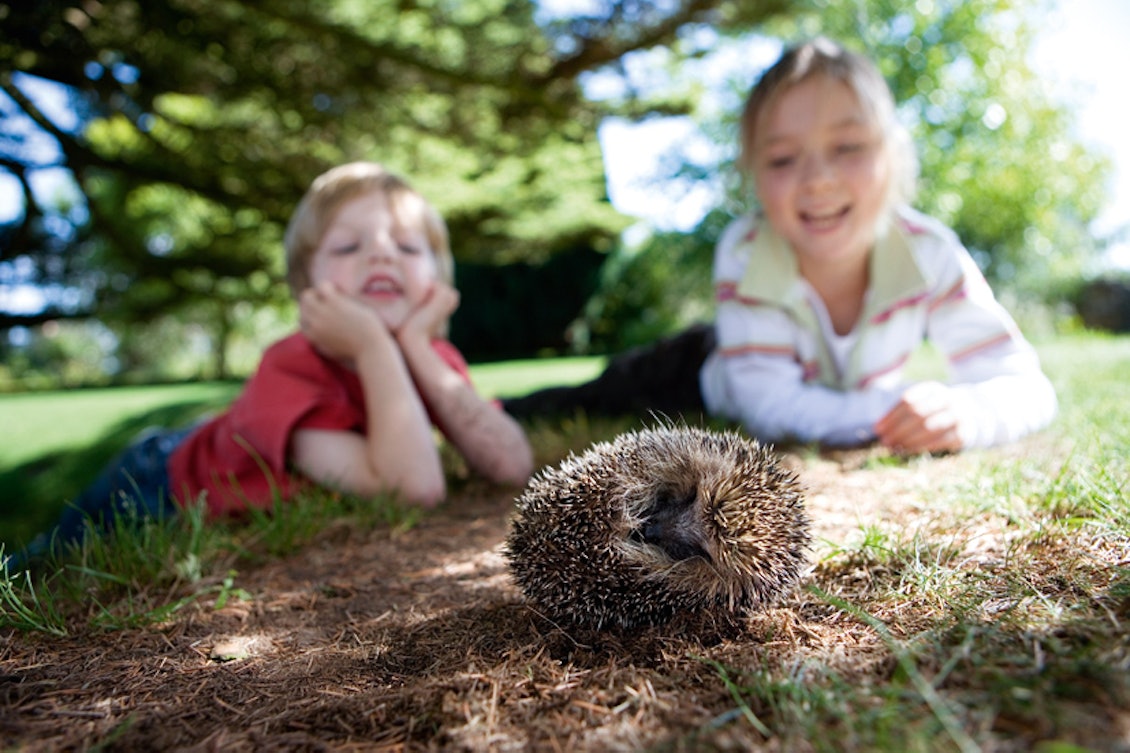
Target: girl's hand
x,y
335,324
926,419
439,304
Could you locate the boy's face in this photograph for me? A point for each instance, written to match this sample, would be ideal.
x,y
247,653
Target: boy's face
x,y
373,257
821,173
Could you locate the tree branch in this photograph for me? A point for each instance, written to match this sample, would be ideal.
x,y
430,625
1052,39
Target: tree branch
x,y
599,49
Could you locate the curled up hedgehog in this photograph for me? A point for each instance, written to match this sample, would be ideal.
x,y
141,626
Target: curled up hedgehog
x,y
655,523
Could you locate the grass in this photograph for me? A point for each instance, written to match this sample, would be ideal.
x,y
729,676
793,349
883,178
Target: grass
x,y
994,610
511,378
61,439
1023,632
56,442
145,572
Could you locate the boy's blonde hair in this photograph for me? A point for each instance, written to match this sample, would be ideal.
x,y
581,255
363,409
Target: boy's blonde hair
x,y
331,190
823,57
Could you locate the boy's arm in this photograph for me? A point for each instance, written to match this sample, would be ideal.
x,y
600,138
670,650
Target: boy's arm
x,y
398,453
490,440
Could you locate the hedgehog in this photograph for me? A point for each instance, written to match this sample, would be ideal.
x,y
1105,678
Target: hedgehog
x,y
659,522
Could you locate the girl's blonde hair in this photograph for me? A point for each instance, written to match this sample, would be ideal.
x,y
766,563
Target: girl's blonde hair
x,y
334,188
823,57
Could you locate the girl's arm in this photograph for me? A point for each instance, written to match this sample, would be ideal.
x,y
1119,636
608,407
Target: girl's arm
x,y
767,393
996,391
996,382
490,440
398,454
754,376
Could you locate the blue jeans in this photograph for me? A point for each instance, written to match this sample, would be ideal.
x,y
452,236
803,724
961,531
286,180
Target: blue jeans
x,y
133,488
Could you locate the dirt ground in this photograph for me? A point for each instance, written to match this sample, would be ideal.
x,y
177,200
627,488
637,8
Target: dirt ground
x,y
418,640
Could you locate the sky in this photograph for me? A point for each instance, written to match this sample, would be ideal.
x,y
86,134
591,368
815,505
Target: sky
x,y
1087,50
1083,51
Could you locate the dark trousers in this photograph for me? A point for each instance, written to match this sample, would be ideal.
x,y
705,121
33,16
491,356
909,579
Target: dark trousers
x,y
133,488
659,378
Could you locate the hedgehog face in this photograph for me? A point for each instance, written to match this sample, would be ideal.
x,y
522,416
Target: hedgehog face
x,y
671,524
657,522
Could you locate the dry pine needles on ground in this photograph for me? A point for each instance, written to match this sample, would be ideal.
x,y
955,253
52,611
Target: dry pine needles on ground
x,y
419,639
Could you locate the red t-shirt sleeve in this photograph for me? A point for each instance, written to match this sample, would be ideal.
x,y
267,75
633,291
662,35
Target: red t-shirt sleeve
x,y
239,459
453,358
294,387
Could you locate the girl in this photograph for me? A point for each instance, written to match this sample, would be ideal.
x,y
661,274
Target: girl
x,y
824,293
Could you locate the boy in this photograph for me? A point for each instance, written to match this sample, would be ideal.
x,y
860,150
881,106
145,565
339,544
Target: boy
x,y
350,400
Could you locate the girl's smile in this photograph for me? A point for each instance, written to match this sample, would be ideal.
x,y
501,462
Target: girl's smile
x,y
821,172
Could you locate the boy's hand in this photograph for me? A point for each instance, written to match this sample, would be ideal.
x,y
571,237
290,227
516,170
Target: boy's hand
x,y
437,307
337,325
926,419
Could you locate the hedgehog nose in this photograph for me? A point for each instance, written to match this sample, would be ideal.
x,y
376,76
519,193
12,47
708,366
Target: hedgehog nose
x,y
678,547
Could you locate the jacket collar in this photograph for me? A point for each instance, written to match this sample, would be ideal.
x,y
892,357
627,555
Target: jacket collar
x,y
772,275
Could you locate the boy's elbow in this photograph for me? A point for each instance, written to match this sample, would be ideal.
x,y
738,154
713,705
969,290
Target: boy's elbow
x,y
515,469
415,491
523,472
426,493
515,476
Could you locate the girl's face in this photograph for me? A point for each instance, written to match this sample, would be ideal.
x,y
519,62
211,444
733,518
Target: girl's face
x,y
373,257
821,173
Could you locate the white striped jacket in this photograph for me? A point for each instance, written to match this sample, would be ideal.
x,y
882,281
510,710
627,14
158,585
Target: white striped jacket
x,y
774,371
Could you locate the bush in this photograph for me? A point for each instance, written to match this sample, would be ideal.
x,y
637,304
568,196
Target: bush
x,y
651,289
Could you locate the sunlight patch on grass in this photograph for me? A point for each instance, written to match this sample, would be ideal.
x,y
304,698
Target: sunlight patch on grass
x,y
515,378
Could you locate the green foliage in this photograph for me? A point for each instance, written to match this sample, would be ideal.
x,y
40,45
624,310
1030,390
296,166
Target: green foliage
x,y
199,126
58,354
651,290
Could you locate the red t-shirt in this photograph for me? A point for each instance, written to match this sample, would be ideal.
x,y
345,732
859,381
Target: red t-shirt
x,y
240,459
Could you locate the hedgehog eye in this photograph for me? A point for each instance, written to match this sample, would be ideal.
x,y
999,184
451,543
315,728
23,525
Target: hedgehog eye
x,y
671,525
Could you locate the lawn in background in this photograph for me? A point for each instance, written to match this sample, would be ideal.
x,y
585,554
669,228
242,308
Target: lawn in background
x,y
55,442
